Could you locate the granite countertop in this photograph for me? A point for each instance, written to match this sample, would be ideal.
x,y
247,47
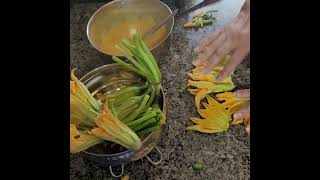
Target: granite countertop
x,y
225,155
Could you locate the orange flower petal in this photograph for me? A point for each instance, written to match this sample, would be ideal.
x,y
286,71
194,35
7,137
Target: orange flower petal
x,y
193,91
200,95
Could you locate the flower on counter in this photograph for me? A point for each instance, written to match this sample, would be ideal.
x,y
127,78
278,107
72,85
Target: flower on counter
x,y
234,104
202,85
201,19
216,118
217,114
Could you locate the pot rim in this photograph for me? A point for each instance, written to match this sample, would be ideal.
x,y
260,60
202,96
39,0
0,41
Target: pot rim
x,y
115,1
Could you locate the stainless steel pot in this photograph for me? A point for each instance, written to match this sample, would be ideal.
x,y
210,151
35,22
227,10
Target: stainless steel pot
x,y
115,12
114,77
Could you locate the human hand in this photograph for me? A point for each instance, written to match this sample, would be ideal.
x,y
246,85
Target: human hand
x,y
233,40
245,111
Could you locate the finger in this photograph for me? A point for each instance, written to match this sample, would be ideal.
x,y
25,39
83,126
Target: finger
x,y
210,50
215,35
245,17
226,48
241,113
245,26
211,64
215,47
243,93
204,43
234,61
236,26
197,62
209,40
238,115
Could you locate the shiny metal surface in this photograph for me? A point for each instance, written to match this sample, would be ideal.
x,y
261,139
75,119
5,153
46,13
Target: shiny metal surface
x,y
160,24
113,77
115,11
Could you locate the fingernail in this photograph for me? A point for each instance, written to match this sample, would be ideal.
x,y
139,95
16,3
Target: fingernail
x,y
195,62
238,115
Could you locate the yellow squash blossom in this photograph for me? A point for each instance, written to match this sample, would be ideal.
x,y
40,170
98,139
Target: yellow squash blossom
x,y
125,177
233,104
83,107
216,118
203,88
98,125
115,130
202,85
80,140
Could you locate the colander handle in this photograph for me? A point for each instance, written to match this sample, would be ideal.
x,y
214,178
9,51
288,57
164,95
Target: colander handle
x,y
158,162
122,167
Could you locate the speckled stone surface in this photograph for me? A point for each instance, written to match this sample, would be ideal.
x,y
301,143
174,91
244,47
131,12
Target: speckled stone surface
x,y
225,155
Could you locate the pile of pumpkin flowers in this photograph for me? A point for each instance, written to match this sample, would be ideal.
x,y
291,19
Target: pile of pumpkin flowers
x,y
215,102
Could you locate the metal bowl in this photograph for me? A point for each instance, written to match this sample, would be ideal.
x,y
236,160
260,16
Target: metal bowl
x,y
116,12
113,77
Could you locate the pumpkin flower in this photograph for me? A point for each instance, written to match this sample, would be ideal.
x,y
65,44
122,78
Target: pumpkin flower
x,y
231,102
234,104
83,107
99,132
112,129
125,177
202,85
216,118
204,88
80,140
